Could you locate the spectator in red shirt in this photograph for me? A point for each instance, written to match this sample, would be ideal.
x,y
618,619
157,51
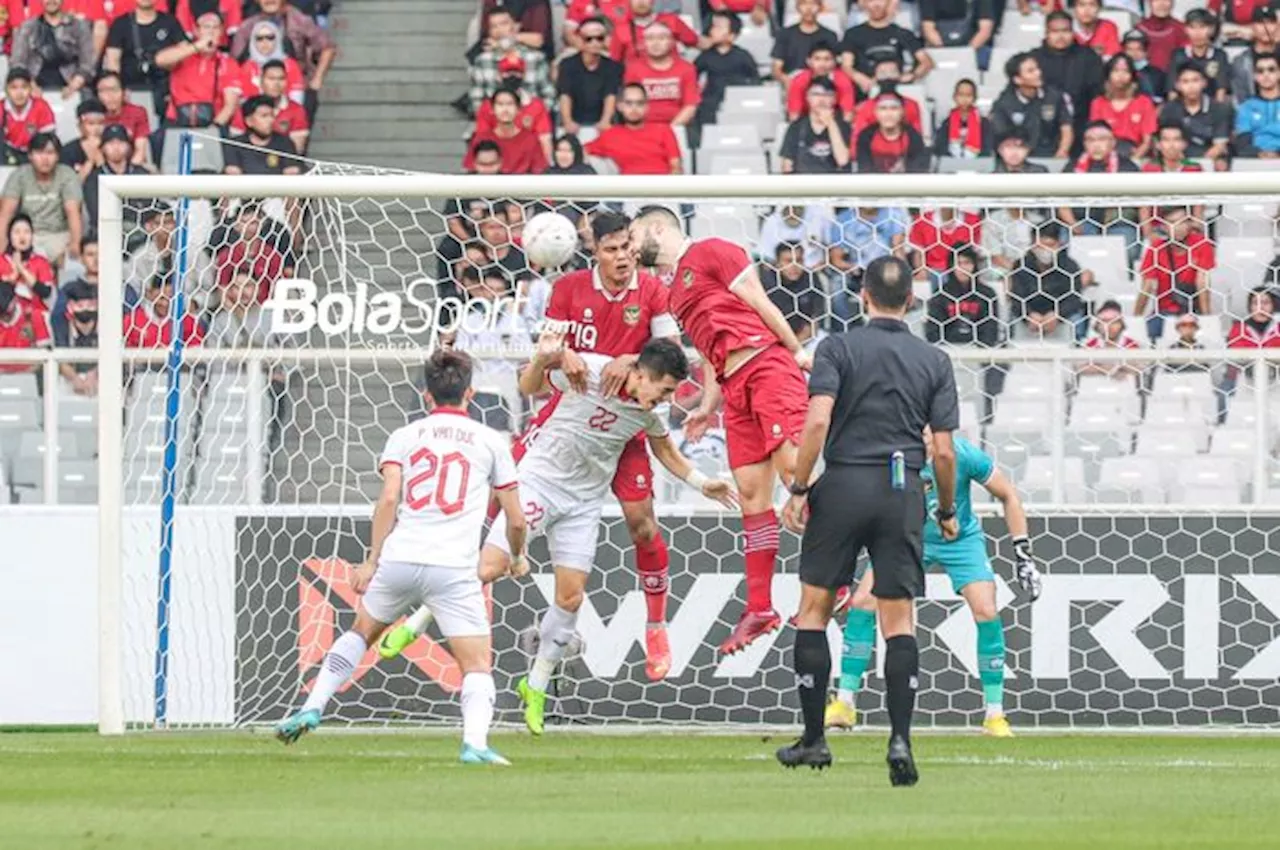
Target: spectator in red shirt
x,y
890,146
1170,155
266,44
615,12
1095,31
629,35
119,111
1175,270
514,134
251,253
22,325
1256,330
533,113
934,235
149,325
1164,33
888,74
230,11
820,64
670,82
291,117
27,269
1108,323
637,145
204,84
964,133
1131,114
25,114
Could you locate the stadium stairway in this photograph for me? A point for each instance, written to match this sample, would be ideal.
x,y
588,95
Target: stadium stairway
x,y
399,65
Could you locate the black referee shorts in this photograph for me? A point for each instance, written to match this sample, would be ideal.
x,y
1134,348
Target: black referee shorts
x,y
852,508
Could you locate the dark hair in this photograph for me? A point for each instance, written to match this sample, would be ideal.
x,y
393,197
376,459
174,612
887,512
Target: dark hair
x,y
657,209
735,23
17,74
1049,230
1171,125
1120,59
274,63
1057,15
88,239
662,358
822,46
92,106
1014,65
597,19
448,376
42,141
1193,67
887,281
1264,57
17,219
471,273
1099,124
964,81
606,223
485,146
965,252
107,75
793,247
1261,290
505,88
1110,304
638,88
255,103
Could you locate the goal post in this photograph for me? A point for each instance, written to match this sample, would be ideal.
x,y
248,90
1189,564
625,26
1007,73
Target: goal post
x,y
258,581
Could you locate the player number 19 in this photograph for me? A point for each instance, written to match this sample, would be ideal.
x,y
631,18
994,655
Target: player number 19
x,y
419,493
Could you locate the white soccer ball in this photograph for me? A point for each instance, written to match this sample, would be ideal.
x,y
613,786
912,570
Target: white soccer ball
x,y
550,240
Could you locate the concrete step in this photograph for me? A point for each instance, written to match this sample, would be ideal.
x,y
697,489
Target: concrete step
x,y
349,110
377,86
390,129
372,150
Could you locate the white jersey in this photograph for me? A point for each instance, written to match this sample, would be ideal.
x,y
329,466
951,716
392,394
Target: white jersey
x,y
574,454
449,463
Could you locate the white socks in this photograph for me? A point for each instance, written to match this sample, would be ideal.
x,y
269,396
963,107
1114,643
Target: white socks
x,y
994,709
845,696
556,631
419,620
478,694
340,662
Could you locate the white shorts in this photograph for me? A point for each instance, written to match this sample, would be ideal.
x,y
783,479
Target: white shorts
x,y
571,529
454,596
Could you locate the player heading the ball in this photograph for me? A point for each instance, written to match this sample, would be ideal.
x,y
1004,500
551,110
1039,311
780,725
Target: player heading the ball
x,y
717,298
565,477
437,477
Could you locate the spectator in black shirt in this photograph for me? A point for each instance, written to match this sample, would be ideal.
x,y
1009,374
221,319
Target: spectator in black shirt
x,y
132,44
588,81
817,143
267,152
494,230
792,46
1266,32
1072,68
963,311
85,153
1205,122
117,156
1047,289
878,37
723,64
790,285
958,23
1151,80
1012,150
890,145
1043,112
1200,52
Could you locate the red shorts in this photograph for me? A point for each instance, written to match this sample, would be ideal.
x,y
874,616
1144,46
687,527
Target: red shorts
x,y
633,482
765,403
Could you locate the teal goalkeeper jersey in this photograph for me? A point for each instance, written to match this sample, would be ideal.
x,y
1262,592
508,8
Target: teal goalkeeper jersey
x,y
973,466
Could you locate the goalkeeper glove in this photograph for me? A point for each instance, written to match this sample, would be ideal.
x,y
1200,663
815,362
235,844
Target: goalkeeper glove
x,y
1025,568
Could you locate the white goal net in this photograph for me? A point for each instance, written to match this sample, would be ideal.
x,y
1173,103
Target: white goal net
x,y
1112,336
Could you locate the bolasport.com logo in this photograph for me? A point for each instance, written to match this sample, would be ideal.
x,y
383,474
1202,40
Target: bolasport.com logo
x,y
416,317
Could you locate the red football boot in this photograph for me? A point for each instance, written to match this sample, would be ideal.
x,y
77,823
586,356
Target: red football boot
x,y
844,600
754,624
657,652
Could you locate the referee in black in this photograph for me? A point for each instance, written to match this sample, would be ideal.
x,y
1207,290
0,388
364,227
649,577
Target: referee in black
x,y
871,394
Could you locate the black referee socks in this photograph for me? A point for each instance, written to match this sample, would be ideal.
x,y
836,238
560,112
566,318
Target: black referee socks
x,y
901,669
812,660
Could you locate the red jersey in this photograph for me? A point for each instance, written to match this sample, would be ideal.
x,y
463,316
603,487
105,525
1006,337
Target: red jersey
x,y
937,240
1105,38
232,16
611,324
1154,167
143,329
865,115
521,153
532,116
799,85
39,266
669,90
202,79
614,11
1125,341
716,320
628,35
27,326
258,259
647,149
1133,123
36,117
740,7
1245,335
1164,37
251,80
1174,267
133,118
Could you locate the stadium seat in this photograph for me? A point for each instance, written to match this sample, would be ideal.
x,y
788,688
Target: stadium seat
x,y
1205,497
1054,164
1020,32
1239,447
1020,426
1194,390
950,65
1253,219
1120,394
1097,430
147,100
728,221
987,94
1033,382
21,386
1124,480
733,165
1206,471
1038,479
1174,413
206,152
760,106
1000,56
958,165
759,43
16,416
1105,256
1171,445
31,445
1242,265
730,138
64,115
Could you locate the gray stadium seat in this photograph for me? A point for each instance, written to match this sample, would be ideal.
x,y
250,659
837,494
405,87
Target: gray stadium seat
x,y
1038,478
1033,382
1097,430
951,64
31,444
1105,256
1020,426
739,222
1206,472
964,165
16,416
1250,219
1172,446
1242,265
730,138
1130,480
733,165
20,386
1192,389
758,105
1120,394
1238,447
1174,414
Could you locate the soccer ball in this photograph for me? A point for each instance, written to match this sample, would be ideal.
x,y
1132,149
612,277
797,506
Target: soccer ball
x,y
550,240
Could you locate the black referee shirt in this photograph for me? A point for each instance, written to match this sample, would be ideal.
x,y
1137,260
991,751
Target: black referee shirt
x,y
887,385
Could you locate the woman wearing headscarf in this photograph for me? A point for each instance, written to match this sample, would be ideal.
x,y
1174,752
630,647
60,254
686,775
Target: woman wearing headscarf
x,y
567,157
266,43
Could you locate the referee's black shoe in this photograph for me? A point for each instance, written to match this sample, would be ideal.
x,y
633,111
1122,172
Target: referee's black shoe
x,y
902,766
816,755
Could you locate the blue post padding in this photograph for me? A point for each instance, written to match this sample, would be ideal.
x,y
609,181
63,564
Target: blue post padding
x,y
173,370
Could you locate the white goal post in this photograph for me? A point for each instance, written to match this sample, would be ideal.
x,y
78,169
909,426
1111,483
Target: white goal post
x,y
1146,679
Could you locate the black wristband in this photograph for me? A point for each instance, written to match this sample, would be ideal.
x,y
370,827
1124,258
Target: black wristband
x,y
799,489
1022,545
944,515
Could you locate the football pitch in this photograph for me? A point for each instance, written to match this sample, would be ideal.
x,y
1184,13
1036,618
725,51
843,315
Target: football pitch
x,y
244,790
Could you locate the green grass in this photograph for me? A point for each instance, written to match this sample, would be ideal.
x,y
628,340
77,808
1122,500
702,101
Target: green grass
x,y
237,790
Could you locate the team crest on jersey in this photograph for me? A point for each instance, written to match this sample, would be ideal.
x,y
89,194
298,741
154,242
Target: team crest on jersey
x,y
527,122
1046,112
631,314
777,430
587,314
272,160
687,278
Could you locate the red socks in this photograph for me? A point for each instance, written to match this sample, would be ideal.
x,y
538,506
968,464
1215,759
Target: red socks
x,y
760,551
652,562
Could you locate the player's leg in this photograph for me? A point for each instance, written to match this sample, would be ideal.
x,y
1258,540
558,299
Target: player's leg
x,y
967,565
633,485
387,597
859,642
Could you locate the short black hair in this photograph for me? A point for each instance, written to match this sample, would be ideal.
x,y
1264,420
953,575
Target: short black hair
x,y
663,357
1264,57
88,239
639,88
1171,125
448,376
888,281
1195,69
794,247
255,103
107,75
965,252
822,46
965,81
607,222
598,19
735,23
274,63
17,74
485,146
1049,230
1014,65
658,209
1110,305
1057,15
92,106
42,141
505,88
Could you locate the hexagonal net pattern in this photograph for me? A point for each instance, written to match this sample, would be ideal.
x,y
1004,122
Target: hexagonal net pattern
x,y
1111,357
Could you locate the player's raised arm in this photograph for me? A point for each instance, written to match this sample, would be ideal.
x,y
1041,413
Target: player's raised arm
x,y
547,356
664,449
1015,518
749,289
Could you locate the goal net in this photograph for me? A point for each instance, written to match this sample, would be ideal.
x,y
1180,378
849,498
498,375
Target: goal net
x,y
1112,337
